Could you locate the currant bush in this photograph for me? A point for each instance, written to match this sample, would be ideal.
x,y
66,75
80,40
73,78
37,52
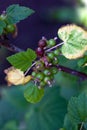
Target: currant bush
x,y
43,65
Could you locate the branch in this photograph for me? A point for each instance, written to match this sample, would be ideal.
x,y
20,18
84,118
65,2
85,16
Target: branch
x,y
72,72
5,42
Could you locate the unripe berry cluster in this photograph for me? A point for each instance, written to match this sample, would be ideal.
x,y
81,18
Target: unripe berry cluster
x,y
45,68
9,28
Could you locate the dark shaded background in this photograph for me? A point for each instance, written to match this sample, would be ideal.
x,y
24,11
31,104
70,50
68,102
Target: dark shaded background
x,y
33,28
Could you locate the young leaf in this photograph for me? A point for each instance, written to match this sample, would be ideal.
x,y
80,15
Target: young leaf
x,y
75,41
33,94
77,109
15,13
2,26
22,60
49,113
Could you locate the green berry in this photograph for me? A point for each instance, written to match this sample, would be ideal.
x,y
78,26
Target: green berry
x,y
2,17
39,65
55,61
42,83
40,76
51,77
33,74
10,28
56,52
51,42
50,55
54,70
46,79
46,72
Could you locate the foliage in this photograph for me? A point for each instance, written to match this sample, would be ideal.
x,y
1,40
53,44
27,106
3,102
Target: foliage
x,y
65,14
77,110
11,125
22,60
46,111
2,26
75,41
15,13
44,66
33,94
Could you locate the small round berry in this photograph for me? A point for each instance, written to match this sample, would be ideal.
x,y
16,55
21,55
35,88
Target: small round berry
x,y
51,76
42,43
2,17
51,42
40,76
33,74
46,72
50,55
56,52
42,83
39,51
39,65
55,61
46,79
10,28
54,70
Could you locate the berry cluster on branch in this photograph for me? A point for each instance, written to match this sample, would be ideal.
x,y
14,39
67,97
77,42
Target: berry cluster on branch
x,y
43,71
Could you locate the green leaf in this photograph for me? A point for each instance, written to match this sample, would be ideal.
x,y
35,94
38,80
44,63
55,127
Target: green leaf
x,y
68,124
77,109
6,108
85,126
1,30
15,13
75,41
22,60
49,113
82,14
11,125
82,61
15,96
68,84
33,94
2,26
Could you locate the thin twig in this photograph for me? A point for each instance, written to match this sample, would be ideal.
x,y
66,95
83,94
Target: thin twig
x,y
81,126
50,49
29,68
9,46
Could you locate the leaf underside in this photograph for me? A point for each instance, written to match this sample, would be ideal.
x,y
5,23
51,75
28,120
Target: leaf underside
x,y
75,41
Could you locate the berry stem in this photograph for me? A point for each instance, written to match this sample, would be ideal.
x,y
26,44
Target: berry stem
x,y
48,50
30,68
